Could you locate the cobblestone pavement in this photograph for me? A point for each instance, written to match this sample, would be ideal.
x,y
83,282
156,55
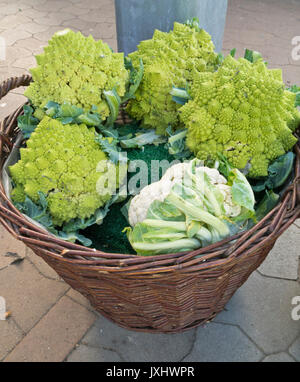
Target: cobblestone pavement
x,y
51,322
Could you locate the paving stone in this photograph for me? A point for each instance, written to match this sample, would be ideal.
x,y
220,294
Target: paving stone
x,y
222,343
79,298
31,44
33,13
31,296
25,62
294,349
13,53
8,105
11,250
13,35
74,10
79,24
99,17
11,8
45,36
262,307
94,4
283,260
279,357
84,353
138,346
33,27
106,32
50,6
41,265
54,18
54,337
11,21
10,335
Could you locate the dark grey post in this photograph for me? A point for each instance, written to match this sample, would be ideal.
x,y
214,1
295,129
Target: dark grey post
x,y
137,19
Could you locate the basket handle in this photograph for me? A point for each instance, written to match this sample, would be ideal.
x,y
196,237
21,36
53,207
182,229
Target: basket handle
x,y
5,87
13,83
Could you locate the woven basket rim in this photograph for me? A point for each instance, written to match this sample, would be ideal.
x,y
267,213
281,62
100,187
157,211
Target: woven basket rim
x,y
223,252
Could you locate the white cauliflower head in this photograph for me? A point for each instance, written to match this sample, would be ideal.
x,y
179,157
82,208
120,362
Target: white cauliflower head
x,y
160,190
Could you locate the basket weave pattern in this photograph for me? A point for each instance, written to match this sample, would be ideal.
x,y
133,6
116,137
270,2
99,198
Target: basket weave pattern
x,y
162,293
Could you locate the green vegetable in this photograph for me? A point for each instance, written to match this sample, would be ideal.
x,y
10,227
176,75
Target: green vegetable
x,y
27,122
296,89
177,143
278,173
65,163
169,59
75,69
242,111
199,209
268,202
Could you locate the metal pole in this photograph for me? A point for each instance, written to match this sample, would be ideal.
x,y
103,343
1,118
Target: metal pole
x,y
137,19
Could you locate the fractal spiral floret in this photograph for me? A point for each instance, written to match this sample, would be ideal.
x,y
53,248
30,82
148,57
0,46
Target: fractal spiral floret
x,y
242,111
169,59
76,69
65,163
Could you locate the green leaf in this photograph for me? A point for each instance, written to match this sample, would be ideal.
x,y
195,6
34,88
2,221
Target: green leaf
x,y
242,193
89,119
220,58
278,173
135,78
27,123
268,202
252,55
180,95
296,89
176,143
142,139
75,236
114,102
38,211
193,23
233,52
110,147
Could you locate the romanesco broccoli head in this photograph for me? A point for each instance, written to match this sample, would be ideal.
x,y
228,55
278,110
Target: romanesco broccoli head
x,y
243,111
66,164
76,69
169,59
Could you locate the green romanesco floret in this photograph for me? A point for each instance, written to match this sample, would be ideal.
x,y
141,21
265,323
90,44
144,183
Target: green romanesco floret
x,y
77,69
169,59
66,164
242,111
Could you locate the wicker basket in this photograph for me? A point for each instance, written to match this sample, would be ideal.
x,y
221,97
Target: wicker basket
x,y
165,293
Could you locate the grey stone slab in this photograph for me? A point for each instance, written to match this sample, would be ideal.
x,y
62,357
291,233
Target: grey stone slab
x,y
279,357
139,346
295,349
283,260
83,353
223,343
262,307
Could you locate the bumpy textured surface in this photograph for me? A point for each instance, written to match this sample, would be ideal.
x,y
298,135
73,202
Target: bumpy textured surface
x,y
67,165
76,69
242,111
169,59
